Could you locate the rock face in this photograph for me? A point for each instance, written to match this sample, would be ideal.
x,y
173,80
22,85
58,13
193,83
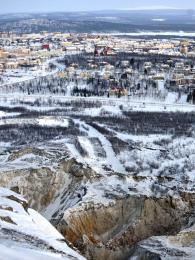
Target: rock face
x,y
126,222
39,186
24,234
41,175
179,246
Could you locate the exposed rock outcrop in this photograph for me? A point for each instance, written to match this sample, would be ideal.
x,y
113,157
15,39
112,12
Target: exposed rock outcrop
x,y
42,182
179,246
111,231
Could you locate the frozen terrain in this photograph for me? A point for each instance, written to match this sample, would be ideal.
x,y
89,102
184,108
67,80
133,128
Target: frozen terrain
x,y
101,172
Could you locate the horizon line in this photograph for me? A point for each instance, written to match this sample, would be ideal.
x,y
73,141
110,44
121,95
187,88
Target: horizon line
x,y
151,8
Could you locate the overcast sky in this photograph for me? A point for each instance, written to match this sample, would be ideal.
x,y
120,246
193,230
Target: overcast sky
x,y
86,5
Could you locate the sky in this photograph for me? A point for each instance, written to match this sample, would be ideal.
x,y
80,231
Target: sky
x,y
11,6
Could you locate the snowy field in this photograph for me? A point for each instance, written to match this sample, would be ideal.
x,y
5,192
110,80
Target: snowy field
x,y
49,102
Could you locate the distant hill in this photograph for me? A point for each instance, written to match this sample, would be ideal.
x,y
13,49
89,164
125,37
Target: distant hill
x,y
101,21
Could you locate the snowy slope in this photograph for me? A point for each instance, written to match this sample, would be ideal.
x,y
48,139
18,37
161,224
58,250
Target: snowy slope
x,y
25,234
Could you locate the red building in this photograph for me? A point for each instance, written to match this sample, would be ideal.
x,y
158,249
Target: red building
x,y
45,47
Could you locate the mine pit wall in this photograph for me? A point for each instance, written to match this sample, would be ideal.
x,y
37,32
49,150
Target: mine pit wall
x,y
98,231
38,186
111,232
41,186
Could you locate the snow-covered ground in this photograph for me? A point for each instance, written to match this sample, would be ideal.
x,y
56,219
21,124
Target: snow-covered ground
x,y
110,159
49,121
4,114
12,76
41,121
29,235
110,104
